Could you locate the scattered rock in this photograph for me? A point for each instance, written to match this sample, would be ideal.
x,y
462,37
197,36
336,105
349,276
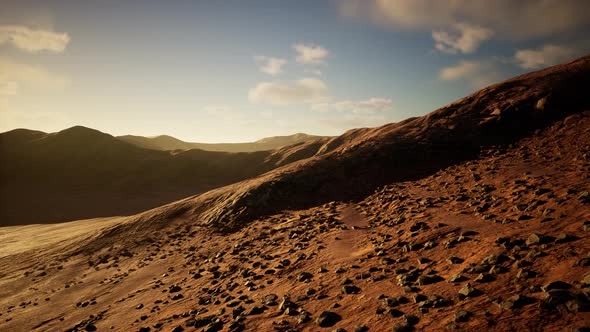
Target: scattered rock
x,y
462,315
467,290
350,289
328,318
556,285
402,327
515,302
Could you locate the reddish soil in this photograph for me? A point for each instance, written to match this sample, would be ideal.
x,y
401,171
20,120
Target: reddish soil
x,y
497,242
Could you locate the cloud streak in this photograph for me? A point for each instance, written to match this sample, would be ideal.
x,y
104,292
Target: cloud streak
x,y
270,65
310,54
369,106
545,56
305,90
31,40
463,38
477,73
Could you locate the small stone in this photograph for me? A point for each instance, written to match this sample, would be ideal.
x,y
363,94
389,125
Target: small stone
x,y
583,262
303,317
393,313
455,260
563,238
525,274
556,285
411,319
174,289
304,276
456,278
423,260
420,298
327,319
533,239
402,327
390,302
461,315
270,299
467,290
484,277
515,302
254,310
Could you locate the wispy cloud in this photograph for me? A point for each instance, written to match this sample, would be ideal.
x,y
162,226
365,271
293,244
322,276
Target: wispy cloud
x,y
310,54
31,40
461,70
369,106
270,65
545,56
477,73
463,38
304,90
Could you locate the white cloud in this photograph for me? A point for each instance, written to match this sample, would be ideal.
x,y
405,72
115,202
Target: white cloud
x,y
461,70
14,74
546,56
369,106
270,65
305,90
31,40
347,114
464,38
310,54
509,19
477,73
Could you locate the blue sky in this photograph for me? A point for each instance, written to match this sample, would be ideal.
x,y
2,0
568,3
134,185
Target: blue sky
x,y
230,71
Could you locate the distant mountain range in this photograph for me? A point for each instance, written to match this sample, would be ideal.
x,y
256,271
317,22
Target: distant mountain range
x,y
165,142
82,173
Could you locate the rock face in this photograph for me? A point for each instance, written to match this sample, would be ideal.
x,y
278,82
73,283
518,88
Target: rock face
x,y
447,250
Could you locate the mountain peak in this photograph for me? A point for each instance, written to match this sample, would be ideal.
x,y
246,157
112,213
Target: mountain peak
x,y
80,130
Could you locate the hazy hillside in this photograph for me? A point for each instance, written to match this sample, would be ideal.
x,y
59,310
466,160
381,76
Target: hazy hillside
x,y
165,142
83,173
